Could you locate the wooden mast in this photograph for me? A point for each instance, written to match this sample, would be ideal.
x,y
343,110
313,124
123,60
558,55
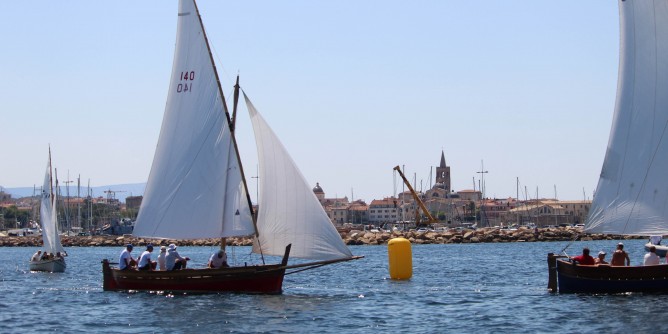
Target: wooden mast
x,y
231,125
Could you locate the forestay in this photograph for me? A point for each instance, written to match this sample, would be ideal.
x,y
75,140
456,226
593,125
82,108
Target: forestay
x,y
194,189
632,193
289,211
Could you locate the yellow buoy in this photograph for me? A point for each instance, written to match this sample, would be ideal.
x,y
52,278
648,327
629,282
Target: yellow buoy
x,y
400,258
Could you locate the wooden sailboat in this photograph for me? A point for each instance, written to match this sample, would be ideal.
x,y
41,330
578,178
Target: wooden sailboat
x,y
197,189
632,193
50,236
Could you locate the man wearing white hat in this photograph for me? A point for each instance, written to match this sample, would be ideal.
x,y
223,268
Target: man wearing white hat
x,y
173,260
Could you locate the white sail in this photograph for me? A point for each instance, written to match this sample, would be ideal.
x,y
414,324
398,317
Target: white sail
x,y
632,193
48,215
289,212
194,188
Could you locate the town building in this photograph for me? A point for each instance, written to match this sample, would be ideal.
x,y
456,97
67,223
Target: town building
x,y
383,211
133,202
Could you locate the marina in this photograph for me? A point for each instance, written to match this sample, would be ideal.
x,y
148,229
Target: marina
x,y
262,250
465,288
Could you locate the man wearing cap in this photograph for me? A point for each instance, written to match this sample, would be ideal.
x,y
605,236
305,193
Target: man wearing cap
x,y
601,258
173,260
619,256
126,261
145,262
651,259
218,260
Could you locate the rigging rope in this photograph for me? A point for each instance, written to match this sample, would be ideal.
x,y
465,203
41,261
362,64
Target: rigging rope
x,y
569,244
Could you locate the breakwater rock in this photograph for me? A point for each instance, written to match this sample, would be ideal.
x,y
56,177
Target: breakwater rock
x,y
481,235
350,237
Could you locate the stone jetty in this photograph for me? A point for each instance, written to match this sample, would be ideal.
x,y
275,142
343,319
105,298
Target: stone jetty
x,y
350,237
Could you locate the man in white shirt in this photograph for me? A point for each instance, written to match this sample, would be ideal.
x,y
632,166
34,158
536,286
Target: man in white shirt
x,y
145,262
173,260
651,258
218,260
161,258
36,256
126,261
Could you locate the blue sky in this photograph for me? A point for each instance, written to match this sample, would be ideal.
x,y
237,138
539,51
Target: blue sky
x,y
353,88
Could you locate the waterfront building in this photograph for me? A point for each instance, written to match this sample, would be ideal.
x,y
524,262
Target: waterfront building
x,y
133,202
577,210
470,195
542,213
384,211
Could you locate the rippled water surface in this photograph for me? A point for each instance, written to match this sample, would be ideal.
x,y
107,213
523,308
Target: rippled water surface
x,y
465,288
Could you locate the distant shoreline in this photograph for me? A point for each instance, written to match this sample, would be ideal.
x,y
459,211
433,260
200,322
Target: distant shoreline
x,y
353,237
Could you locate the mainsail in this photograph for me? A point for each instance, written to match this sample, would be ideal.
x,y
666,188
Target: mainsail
x,y
48,214
195,186
289,212
632,193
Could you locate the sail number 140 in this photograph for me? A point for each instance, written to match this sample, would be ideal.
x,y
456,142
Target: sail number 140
x,y
185,82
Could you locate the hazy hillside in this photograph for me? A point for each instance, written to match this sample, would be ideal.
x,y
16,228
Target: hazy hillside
x,y
122,190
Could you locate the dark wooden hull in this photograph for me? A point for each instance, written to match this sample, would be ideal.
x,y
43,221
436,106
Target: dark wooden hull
x,y
265,279
574,278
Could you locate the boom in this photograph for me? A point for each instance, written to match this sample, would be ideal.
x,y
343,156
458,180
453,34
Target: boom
x,y
417,199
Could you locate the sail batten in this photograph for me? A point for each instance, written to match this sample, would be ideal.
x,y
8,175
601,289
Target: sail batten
x,y
632,194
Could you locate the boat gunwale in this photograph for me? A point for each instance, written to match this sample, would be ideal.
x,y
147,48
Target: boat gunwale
x,y
56,265
611,273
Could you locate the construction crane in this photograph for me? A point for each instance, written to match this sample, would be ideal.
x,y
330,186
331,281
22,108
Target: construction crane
x,y
418,200
111,194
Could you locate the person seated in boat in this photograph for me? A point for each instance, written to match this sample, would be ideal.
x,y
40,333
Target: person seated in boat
x,y
651,259
58,255
45,256
126,261
655,239
585,258
161,258
601,258
619,256
145,262
36,256
173,260
218,260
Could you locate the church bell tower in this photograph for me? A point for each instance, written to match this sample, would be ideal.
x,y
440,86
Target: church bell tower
x,y
443,174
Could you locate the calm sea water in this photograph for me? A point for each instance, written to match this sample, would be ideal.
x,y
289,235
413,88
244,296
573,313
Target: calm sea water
x,y
465,288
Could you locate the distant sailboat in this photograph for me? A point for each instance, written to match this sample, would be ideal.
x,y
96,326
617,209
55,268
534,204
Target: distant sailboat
x,y
50,236
632,193
197,189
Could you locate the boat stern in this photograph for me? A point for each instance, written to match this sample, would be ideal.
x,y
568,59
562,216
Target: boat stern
x,y
108,282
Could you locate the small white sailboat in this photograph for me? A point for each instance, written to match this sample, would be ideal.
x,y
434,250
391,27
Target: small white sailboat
x,y
50,236
197,189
